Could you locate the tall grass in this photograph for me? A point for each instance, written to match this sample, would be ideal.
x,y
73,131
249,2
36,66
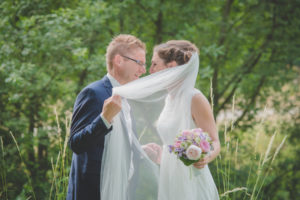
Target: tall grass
x,y
3,193
259,166
27,172
228,164
59,171
59,184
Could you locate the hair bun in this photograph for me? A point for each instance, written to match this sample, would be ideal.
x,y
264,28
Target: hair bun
x,y
187,56
176,50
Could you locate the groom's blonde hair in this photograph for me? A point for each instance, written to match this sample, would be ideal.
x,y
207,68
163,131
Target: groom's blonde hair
x,y
120,45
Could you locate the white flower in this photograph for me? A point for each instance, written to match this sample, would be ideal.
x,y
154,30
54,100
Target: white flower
x,y
193,152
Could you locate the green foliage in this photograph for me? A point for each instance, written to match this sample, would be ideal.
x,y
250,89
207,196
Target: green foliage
x,y
49,50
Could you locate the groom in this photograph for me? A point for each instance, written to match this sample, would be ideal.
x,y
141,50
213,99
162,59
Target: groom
x,y
93,113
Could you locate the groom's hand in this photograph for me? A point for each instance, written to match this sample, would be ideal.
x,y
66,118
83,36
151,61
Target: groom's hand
x,y
111,107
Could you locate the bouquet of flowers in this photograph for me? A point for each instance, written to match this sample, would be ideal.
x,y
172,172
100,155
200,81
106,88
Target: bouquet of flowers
x,y
191,145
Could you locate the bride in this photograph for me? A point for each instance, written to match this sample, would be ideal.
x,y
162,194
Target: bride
x,y
163,104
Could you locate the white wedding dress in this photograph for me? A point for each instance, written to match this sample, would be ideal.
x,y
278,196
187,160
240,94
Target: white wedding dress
x,y
161,108
176,180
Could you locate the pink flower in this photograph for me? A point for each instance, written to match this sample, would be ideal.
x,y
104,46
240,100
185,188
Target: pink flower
x,y
197,130
205,146
177,144
188,134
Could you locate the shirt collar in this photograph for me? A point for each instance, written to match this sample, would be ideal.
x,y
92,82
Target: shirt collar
x,y
112,80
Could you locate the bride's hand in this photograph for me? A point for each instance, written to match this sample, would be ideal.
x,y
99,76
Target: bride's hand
x,y
153,151
202,162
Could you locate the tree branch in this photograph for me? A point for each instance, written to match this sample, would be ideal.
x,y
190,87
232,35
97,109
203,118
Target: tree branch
x,y
246,69
159,25
252,100
223,34
239,79
138,2
224,25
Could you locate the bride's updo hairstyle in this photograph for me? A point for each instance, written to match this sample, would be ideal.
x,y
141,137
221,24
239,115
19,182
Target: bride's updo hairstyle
x,y
179,51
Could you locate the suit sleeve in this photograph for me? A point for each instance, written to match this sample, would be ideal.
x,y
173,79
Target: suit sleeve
x,y
87,127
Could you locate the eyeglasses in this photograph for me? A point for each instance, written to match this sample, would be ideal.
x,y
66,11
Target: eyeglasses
x,y
137,61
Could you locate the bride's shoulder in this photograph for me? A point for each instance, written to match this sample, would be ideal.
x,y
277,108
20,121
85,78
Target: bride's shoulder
x,y
195,91
198,98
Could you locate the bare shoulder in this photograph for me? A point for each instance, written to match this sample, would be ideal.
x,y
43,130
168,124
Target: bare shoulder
x,y
199,100
202,113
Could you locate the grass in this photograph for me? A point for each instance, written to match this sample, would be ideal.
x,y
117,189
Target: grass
x,y
259,166
27,173
59,184
229,164
259,170
59,171
3,193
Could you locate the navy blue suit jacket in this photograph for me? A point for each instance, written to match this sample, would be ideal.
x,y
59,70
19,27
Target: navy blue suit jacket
x,y
87,141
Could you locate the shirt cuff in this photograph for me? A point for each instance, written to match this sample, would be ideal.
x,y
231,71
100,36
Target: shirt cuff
x,y
107,124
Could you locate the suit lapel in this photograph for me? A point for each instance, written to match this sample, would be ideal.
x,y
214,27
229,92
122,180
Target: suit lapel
x,y
107,85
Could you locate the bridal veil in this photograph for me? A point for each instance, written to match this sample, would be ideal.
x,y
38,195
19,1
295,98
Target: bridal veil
x,y
127,171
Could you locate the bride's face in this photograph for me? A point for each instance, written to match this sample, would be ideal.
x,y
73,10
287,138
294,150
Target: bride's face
x,y
157,64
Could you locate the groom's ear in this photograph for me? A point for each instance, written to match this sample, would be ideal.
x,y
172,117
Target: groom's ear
x,y
172,64
117,60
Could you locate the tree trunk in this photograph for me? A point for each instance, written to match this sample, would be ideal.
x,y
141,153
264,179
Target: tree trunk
x,y
159,25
